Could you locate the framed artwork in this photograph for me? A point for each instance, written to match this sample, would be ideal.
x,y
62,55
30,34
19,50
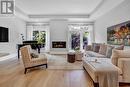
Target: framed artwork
x,y
119,34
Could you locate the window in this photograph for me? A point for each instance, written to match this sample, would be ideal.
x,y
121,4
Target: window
x,y
85,39
80,35
39,36
75,40
39,32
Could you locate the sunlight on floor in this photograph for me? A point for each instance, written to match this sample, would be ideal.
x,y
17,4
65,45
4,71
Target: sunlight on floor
x,y
13,55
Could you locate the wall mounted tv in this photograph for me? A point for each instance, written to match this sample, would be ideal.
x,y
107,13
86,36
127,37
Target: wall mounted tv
x,y
119,34
4,34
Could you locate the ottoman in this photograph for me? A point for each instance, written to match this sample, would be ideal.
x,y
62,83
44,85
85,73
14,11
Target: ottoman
x,y
100,69
71,57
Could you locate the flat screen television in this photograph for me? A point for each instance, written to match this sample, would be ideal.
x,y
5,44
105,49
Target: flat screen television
x,y
4,34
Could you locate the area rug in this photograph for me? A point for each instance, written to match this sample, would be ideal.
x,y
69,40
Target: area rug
x,y
3,54
60,62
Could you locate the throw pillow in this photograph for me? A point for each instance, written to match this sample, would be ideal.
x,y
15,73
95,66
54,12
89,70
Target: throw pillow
x,y
96,47
119,54
88,48
109,51
33,55
92,46
103,49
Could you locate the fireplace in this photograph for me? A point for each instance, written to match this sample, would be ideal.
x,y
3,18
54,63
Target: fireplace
x,y
58,44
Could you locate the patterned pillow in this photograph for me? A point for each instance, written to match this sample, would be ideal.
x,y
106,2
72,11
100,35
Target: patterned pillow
x,y
33,55
103,49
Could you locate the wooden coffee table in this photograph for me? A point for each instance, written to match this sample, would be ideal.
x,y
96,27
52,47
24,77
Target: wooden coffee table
x,y
71,57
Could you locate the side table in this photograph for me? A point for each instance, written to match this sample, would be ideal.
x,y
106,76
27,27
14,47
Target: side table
x,y
71,57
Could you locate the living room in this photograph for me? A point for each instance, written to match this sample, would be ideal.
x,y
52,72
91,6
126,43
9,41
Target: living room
x,y
64,30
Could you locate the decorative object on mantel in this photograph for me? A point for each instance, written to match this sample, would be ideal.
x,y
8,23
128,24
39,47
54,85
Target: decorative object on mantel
x,y
119,34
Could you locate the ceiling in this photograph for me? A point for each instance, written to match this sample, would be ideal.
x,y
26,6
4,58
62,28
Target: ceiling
x,y
80,10
57,6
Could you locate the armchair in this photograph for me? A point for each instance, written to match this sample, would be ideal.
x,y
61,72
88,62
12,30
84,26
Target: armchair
x,y
30,62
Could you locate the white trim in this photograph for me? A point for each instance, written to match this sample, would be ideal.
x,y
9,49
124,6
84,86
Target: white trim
x,y
60,16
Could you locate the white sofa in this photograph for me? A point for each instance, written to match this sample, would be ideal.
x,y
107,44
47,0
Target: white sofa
x,y
120,60
100,50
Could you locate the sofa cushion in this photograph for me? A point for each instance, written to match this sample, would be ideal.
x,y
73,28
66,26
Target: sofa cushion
x,y
109,51
96,47
88,48
116,54
103,49
94,54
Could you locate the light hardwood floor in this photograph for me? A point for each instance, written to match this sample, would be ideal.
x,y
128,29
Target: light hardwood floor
x,y
12,75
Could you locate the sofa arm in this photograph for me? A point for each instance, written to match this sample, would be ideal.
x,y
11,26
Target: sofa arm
x,y
124,65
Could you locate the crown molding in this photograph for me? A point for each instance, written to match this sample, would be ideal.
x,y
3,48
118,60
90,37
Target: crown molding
x,y
97,7
60,16
37,23
86,23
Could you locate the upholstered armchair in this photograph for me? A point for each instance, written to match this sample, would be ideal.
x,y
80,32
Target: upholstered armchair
x,y
30,62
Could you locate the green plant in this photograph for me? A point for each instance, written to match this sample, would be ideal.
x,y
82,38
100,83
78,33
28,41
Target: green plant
x,y
39,36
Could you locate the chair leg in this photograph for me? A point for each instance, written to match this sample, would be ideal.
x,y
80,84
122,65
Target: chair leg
x,y
96,85
46,66
25,71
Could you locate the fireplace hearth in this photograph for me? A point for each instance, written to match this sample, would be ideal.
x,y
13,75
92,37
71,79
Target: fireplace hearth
x,y
58,44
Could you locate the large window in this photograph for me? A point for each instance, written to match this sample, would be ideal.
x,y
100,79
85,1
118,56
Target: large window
x,y
80,35
39,32
39,36
75,40
85,39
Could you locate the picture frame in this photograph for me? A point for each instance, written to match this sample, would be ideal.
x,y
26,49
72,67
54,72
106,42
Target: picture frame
x,y
119,34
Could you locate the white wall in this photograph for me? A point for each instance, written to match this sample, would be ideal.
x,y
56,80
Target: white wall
x,y
58,32
117,15
15,27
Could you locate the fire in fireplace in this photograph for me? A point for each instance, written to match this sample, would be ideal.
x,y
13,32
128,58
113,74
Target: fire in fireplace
x,y
58,44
